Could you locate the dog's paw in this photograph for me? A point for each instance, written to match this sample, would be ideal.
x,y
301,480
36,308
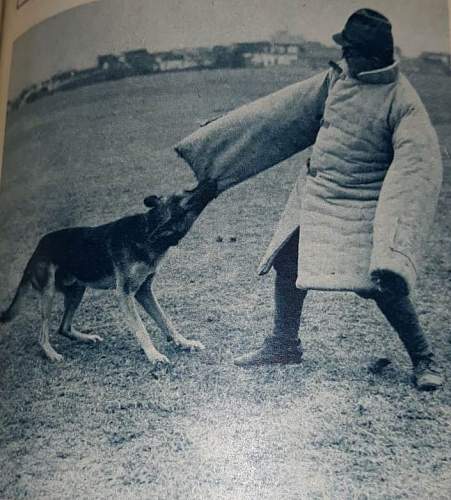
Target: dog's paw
x,y
81,337
187,345
158,359
54,356
94,338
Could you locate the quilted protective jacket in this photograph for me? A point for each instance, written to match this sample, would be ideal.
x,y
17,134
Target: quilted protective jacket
x,y
373,180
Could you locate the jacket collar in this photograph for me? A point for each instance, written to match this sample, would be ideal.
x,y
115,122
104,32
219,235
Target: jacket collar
x,y
389,74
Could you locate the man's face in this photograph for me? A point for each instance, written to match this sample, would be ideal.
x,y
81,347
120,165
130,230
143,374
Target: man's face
x,y
358,62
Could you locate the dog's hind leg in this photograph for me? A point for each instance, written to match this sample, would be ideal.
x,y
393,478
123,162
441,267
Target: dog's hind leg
x,y
72,298
47,296
128,306
147,299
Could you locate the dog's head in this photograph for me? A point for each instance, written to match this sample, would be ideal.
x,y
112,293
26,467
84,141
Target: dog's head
x,y
177,212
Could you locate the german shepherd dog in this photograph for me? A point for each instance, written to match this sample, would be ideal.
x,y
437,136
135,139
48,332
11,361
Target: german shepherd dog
x,y
123,255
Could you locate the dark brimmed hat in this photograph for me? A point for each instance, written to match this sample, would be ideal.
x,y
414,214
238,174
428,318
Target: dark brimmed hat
x,y
368,31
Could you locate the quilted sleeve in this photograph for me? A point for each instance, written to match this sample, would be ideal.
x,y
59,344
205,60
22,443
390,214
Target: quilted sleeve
x,y
258,135
410,191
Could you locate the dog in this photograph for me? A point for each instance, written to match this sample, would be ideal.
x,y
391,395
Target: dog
x,y
123,255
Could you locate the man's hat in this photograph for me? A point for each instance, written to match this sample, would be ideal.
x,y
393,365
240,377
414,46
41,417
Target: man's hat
x,y
368,31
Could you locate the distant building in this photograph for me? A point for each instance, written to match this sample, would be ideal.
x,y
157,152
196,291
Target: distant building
x,y
265,59
436,57
282,49
435,61
109,61
141,61
318,51
226,56
285,49
63,76
202,56
114,66
428,62
289,47
175,60
250,53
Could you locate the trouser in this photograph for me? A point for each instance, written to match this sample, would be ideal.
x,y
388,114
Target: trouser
x,y
398,310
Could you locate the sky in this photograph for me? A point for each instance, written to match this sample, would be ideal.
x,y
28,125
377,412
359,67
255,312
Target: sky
x,y
74,38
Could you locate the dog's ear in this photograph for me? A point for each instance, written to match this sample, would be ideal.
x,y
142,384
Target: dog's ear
x,y
152,201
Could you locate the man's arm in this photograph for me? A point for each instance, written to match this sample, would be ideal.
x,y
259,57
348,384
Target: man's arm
x,y
258,135
410,192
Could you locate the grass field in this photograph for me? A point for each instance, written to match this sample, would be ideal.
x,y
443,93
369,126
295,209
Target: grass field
x,y
99,425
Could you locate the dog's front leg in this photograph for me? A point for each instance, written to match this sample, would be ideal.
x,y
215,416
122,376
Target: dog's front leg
x,y
147,299
128,306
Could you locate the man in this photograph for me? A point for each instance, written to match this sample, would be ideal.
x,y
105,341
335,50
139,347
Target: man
x,y
358,221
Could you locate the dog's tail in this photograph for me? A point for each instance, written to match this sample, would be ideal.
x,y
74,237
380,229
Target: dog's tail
x,y
12,311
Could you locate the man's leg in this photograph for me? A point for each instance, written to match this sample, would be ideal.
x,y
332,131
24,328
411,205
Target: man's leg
x,y
400,313
283,346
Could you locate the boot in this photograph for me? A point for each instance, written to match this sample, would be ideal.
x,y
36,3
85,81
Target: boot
x,y
283,346
426,374
401,314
